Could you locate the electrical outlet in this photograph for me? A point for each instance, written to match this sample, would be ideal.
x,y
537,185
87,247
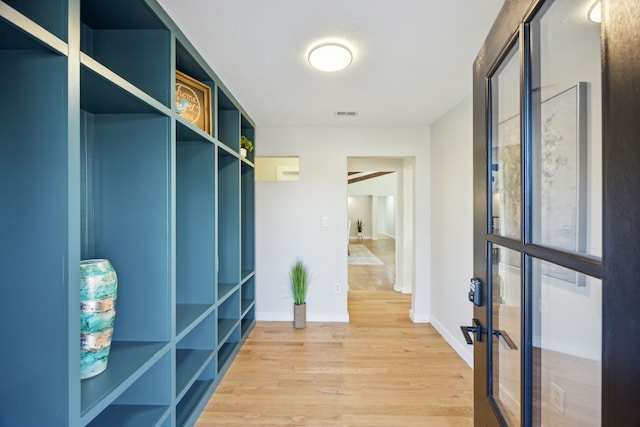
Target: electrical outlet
x,y
337,288
557,397
325,221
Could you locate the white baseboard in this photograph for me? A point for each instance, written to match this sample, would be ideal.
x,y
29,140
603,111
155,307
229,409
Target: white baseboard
x,y
386,235
577,349
418,318
402,289
464,351
328,317
311,317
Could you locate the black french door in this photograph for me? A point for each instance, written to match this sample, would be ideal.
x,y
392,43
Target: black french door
x,y
556,323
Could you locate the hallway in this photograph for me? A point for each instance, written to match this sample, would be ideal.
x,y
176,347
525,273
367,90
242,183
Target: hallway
x,y
379,370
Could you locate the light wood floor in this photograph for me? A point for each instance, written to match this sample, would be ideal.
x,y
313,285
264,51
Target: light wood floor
x,y
379,277
379,370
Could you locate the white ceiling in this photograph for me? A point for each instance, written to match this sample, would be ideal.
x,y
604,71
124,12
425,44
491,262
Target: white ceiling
x,y
412,58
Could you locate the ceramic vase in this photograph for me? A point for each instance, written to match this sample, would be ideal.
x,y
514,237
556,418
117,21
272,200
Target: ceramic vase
x,y
98,291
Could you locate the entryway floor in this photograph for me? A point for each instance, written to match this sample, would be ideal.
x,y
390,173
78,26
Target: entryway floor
x,y
375,277
380,369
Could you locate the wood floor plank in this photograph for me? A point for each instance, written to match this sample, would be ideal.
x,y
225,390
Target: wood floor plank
x,y
381,369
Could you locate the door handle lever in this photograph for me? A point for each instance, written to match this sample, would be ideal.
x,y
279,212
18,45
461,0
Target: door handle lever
x,y
477,329
505,339
465,331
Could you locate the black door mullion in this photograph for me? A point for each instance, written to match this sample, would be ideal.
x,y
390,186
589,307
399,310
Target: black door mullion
x,y
586,264
582,263
621,233
498,43
526,126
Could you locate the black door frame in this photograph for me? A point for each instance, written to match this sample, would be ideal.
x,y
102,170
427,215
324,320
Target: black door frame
x,y
621,205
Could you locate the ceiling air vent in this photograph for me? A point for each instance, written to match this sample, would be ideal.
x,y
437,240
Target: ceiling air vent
x,y
346,113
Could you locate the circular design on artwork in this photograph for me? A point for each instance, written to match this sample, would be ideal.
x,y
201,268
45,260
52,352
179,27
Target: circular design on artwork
x,y
186,97
182,105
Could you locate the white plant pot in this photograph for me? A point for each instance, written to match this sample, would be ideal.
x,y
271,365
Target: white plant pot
x,y
243,152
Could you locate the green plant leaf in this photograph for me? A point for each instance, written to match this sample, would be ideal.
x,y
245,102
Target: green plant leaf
x,y
299,277
246,143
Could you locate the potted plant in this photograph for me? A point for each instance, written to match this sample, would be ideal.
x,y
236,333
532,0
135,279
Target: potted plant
x,y
299,277
245,145
359,227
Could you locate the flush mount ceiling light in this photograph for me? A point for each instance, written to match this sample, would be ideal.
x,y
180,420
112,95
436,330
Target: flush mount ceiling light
x,y
330,57
595,13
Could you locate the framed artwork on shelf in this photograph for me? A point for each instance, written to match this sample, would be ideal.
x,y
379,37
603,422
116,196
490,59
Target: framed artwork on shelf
x,y
193,101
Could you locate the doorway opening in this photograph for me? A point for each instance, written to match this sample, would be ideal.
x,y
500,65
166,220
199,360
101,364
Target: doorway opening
x,y
380,201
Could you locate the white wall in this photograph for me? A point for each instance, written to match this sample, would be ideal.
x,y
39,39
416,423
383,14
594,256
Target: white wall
x,y
373,201
288,215
452,225
388,221
360,207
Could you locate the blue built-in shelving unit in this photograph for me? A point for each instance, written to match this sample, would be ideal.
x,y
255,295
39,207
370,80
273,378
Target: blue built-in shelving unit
x,y
96,163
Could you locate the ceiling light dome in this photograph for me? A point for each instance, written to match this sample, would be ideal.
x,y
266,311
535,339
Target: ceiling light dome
x,y
595,13
330,57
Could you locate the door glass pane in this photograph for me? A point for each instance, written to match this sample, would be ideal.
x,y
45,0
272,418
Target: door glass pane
x,y
505,148
505,347
567,129
567,331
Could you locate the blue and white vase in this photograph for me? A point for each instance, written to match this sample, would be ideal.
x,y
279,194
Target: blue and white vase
x,y
98,292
